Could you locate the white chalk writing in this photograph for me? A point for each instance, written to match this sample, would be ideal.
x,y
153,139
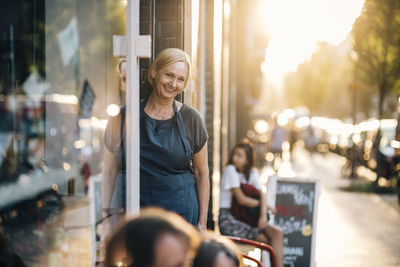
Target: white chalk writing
x,y
289,261
300,198
294,251
291,225
286,241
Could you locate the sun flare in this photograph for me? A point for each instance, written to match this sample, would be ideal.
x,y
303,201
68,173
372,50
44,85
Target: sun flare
x,y
295,27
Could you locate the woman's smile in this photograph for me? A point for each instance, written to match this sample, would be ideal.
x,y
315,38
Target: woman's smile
x,y
170,80
170,89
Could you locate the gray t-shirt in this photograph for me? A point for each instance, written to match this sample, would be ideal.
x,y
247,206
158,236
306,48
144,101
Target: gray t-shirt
x,y
195,129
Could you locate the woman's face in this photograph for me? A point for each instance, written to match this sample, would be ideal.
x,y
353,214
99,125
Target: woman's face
x,y
239,158
170,251
169,81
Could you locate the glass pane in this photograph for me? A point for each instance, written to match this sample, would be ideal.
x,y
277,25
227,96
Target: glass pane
x,y
387,135
57,78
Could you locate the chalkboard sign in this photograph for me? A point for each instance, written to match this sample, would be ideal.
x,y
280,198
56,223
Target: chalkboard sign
x,y
296,201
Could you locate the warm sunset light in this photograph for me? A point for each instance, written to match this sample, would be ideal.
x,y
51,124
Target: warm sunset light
x,y
296,26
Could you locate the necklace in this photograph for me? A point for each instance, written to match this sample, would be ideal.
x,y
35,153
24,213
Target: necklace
x,y
159,115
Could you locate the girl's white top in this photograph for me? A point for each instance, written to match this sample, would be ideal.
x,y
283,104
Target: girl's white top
x,y
231,178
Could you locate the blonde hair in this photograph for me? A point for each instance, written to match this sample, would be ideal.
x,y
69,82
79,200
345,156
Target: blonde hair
x,y
120,62
167,57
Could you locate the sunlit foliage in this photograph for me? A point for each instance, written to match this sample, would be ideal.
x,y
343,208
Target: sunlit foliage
x,y
321,83
376,36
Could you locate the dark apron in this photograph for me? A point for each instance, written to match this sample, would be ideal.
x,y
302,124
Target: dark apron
x,y
166,178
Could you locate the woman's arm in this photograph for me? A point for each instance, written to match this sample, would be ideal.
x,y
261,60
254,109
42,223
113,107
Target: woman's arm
x,y
110,173
112,137
201,175
262,220
244,200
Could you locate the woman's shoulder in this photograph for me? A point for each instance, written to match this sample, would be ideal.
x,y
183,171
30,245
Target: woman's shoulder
x,y
254,178
230,174
112,133
188,111
193,119
114,122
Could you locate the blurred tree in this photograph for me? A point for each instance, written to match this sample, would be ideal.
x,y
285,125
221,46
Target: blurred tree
x,y
376,36
320,83
308,85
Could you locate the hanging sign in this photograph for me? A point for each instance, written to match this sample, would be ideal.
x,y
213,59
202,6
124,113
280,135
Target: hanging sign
x,y
68,40
34,87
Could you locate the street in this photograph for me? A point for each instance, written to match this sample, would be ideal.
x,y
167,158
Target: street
x,y
353,229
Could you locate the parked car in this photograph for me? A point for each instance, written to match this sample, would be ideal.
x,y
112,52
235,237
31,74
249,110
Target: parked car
x,y
384,150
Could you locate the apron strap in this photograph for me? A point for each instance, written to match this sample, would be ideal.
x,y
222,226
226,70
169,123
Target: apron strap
x,y
123,159
182,133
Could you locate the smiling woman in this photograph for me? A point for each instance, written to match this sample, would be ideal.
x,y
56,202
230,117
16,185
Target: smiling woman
x,y
173,145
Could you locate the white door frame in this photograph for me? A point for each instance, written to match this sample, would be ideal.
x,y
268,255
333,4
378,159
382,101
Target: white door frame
x,y
138,47
132,111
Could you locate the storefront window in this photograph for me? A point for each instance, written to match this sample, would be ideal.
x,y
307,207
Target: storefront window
x,y
57,78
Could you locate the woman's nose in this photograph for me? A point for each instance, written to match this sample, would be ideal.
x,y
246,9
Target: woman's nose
x,y
174,82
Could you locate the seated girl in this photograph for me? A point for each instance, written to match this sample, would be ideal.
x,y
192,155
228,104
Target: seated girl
x,y
240,170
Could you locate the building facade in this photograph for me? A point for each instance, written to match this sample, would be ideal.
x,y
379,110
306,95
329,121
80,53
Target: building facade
x,y
59,86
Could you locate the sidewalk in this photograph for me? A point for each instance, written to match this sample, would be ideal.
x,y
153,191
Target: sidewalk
x,y
391,200
303,164
350,224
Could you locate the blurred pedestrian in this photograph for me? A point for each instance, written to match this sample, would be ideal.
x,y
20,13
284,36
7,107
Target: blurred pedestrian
x,y
292,137
279,135
310,139
238,174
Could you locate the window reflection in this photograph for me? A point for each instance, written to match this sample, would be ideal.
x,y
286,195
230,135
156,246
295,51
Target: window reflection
x,y
57,76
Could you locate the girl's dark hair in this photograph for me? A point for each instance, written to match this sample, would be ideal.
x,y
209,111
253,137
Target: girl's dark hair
x,y
211,247
248,148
